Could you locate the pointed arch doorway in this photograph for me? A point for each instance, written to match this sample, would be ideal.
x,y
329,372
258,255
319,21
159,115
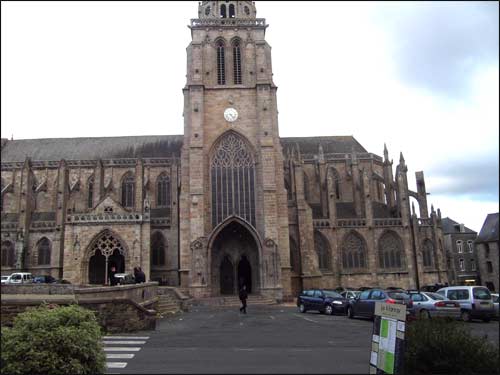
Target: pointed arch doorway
x,y
106,251
234,260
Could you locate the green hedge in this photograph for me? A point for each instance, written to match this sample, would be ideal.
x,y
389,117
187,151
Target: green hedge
x,y
445,346
53,340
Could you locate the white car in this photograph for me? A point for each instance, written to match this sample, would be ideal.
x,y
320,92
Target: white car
x,y
5,279
21,278
494,297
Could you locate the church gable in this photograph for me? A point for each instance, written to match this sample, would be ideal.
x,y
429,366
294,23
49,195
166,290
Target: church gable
x,y
109,205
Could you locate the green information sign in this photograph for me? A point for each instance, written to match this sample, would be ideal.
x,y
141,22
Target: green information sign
x,y
388,338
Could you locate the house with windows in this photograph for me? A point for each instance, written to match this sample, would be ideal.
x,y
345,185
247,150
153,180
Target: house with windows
x,y
487,252
229,202
461,256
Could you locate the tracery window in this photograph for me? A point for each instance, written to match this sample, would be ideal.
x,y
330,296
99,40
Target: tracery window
x,y
43,251
294,255
128,193
233,180
353,252
107,244
390,249
90,192
428,253
158,249
8,254
221,64
236,61
323,251
163,191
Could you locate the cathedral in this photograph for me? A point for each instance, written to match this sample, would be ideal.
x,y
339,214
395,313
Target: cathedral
x,y
229,202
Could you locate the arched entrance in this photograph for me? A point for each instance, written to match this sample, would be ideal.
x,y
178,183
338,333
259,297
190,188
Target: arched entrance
x,y
234,260
106,251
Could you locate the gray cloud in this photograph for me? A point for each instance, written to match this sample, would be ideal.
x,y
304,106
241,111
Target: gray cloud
x,y
439,45
473,177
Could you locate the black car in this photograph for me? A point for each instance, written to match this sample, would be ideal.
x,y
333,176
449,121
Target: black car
x,y
364,304
322,300
44,279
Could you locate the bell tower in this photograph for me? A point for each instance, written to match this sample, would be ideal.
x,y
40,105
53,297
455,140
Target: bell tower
x,y
232,162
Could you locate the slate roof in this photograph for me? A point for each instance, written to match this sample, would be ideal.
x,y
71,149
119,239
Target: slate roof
x,y
55,149
330,145
449,227
489,230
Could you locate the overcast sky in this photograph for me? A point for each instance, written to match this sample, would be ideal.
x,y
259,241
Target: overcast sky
x,y
421,77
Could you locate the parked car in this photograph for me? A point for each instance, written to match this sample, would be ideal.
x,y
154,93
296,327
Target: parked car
x,y
475,301
322,300
44,279
430,305
21,278
364,304
494,297
124,278
350,294
5,279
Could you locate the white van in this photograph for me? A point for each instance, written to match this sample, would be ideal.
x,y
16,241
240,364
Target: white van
x,y
475,301
21,278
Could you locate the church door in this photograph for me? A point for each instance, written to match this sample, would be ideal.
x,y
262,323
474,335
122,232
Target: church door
x,y
97,265
226,276
245,274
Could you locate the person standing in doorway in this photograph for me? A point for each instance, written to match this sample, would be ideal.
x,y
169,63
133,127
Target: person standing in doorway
x,y
243,299
112,278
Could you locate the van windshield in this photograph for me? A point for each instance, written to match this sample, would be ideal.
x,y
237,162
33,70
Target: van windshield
x,y
481,293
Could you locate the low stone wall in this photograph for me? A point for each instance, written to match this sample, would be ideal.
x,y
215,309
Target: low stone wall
x,y
121,308
38,288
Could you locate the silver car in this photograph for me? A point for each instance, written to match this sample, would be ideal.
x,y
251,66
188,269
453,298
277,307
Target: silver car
x,y
494,297
350,294
430,305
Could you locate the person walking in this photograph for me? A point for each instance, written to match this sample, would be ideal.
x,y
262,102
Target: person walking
x,y
243,299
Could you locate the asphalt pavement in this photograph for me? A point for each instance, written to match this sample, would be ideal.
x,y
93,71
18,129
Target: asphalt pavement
x,y
269,339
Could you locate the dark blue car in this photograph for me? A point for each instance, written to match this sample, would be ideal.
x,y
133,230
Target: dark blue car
x,y
364,304
323,300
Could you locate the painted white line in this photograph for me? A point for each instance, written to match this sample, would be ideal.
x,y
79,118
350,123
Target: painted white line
x,y
272,317
121,349
125,337
119,355
301,350
116,364
124,342
244,349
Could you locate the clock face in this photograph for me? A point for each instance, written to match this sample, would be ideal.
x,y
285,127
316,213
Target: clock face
x,y
230,114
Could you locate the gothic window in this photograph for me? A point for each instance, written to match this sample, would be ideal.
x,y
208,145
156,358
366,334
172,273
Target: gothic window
x,y
391,255
128,193
231,11
428,253
158,249
163,191
107,244
43,251
8,254
237,62
353,252
221,65
223,13
233,180
90,193
323,251
294,256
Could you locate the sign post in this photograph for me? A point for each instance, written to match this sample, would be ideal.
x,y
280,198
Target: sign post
x,y
388,335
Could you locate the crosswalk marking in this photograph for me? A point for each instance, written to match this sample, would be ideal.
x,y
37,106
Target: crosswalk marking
x,y
121,348
119,356
124,342
116,364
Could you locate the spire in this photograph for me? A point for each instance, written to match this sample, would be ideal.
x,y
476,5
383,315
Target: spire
x,y
386,153
401,159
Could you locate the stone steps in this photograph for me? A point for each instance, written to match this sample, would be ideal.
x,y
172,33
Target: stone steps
x,y
233,301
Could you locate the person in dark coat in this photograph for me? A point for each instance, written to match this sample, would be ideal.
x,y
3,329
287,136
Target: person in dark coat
x,y
140,276
243,299
112,278
136,275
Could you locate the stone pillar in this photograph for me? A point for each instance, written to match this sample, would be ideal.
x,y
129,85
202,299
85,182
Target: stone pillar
x,y
62,195
356,186
139,186
98,182
26,201
422,195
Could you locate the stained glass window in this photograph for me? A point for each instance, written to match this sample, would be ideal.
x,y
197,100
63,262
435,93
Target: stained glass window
x,y
43,251
390,251
353,252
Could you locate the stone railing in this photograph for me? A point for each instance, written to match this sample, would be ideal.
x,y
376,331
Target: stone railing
x,y
321,223
161,221
388,222
108,217
231,22
43,224
351,222
9,225
424,222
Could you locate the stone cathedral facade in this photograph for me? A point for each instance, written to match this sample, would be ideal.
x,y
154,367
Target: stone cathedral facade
x,y
227,203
